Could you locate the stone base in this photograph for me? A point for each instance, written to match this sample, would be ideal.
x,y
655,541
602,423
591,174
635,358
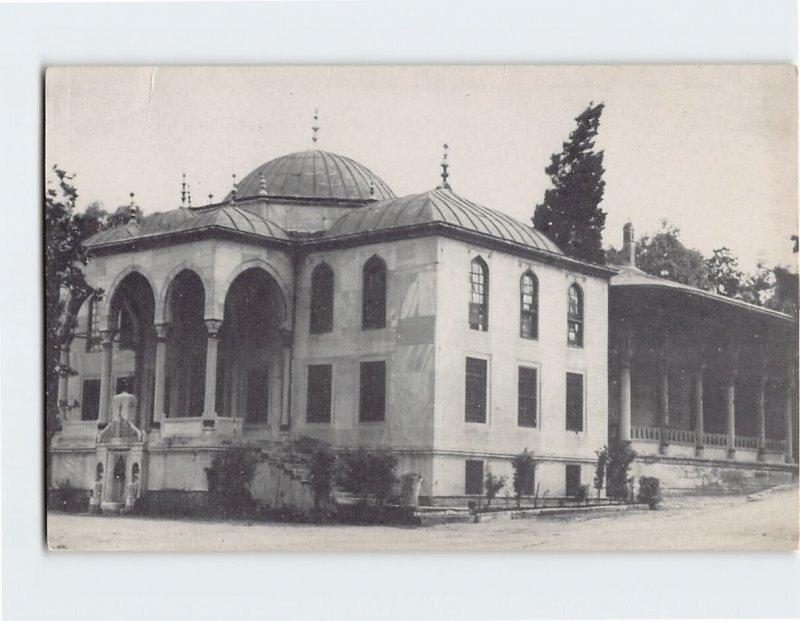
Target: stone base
x,y
111,508
696,476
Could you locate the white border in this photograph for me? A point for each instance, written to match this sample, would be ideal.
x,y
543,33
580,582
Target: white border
x,y
246,586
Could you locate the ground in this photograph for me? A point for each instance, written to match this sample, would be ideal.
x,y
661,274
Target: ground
x,y
766,521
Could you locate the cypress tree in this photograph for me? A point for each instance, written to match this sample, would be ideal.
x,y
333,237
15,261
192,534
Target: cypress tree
x,y
570,213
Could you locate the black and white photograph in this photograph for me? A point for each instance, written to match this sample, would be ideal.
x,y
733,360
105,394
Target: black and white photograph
x,y
423,308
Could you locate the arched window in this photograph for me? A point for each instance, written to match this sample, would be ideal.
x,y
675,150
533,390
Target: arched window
x,y
529,306
321,299
479,295
575,317
373,309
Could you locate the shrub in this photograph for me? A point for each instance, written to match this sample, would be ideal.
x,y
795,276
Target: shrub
x,y
493,485
229,476
368,473
581,494
600,470
524,473
322,466
620,456
650,491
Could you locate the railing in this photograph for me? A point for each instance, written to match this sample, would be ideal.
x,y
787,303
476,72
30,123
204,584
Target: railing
x,y
715,439
686,436
745,442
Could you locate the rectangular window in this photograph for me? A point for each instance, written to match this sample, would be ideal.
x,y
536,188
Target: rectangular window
x,y
573,479
372,406
475,400
526,397
257,407
574,402
473,477
318,394
90,399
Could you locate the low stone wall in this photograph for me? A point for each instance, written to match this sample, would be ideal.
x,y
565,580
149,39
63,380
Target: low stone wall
x,y
173,502
694,476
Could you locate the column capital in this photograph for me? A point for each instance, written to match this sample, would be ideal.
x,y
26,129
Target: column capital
x,y
213,326
162,330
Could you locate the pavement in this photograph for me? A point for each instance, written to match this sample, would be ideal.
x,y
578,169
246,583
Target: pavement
x,y
764,521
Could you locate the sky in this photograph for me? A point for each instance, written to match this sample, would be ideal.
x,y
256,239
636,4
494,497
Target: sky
x,y
711,149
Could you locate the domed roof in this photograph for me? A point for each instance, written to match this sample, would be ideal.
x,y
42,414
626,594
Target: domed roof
x,y
183,220
314,175
440,206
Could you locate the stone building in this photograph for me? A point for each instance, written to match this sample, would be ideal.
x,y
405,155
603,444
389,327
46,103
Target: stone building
x,y
313,302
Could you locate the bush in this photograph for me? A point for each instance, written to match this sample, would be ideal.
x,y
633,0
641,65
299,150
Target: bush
x,y
524,473
322,466
368,473
650,491
493,485
581,494
618,456
228,477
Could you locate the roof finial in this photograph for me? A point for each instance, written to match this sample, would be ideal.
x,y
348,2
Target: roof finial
x,y
210,198
371,189
189,195
235,190
132,208
315,126
445,165
262,182
183,190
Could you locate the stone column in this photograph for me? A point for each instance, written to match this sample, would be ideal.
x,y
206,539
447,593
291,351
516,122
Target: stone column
x,y
730,408
762,429
286,379
626,355
63,382
159,396
699,423
789,411
663,406
210,396
106,367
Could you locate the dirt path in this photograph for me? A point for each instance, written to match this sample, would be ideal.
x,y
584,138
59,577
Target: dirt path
x,y
723,523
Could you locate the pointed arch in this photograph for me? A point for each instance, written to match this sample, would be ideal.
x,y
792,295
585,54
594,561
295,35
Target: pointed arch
x,y
575,316
321,312
479,294
529,305
373,304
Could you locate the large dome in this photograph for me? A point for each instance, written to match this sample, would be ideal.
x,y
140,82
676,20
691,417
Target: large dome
x,y
314,175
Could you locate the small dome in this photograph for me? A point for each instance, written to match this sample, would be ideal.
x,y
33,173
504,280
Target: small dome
x,y
315,175
443,207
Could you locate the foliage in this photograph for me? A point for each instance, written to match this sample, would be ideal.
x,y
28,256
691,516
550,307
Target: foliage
x,y
524,466
724,275
322,467
600,470
618,456
581,494
65,284
368,473
650,491
229,477
570,214
493,485
664,255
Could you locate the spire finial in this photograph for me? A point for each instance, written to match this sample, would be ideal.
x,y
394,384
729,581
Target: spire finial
x,y
210,198
372,189
315,126
183,190
133,204
189,195
262,184
234,190
132,208
445,165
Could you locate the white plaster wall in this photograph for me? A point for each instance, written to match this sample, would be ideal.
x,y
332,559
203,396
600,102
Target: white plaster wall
x,y
406,344
506,350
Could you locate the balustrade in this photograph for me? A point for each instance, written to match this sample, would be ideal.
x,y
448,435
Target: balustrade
x,y
687,436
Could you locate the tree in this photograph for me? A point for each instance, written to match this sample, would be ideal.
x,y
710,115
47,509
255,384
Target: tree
x,y
724,275
493,485
524,466
570,214
65,285
664,255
